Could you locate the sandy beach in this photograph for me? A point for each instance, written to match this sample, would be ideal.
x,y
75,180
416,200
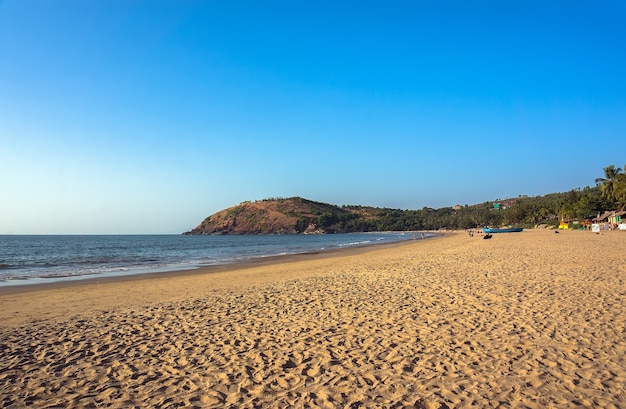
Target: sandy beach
x,y
524,320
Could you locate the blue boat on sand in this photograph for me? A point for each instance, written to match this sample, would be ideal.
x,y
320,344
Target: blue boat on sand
x,y
489,230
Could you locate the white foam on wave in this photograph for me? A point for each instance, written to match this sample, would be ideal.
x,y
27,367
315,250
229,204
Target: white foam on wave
x,y
355,243
128,255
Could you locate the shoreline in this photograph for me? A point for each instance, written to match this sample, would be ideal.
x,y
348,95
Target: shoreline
x,y
532,319
49,300
129,273
69,281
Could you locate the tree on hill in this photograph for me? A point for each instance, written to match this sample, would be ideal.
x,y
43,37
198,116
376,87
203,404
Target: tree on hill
x,y
298,215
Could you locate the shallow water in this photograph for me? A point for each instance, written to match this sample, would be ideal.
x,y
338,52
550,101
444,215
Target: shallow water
x,y
36,259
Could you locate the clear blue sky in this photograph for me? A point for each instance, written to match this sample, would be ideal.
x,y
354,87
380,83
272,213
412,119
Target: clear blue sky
x,y
147,116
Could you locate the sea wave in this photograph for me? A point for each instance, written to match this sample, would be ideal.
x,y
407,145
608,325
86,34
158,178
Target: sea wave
x,y
30,259
355,243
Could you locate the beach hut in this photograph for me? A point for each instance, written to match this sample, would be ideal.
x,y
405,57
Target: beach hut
x,y
612,218
616,217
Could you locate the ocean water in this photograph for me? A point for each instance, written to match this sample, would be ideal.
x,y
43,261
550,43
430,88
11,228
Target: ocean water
x,y
40,259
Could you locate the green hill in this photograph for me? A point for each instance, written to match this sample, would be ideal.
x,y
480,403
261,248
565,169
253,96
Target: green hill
x,y
297,215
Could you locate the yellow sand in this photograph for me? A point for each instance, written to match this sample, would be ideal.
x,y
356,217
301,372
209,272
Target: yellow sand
x,y
525,320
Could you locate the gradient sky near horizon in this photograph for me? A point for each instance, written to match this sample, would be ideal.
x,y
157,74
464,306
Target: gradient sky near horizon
x,y
147,116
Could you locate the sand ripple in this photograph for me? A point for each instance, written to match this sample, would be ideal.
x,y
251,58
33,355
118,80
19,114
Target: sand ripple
x,y
520,321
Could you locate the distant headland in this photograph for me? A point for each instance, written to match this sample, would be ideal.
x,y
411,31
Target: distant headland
x,y
296,215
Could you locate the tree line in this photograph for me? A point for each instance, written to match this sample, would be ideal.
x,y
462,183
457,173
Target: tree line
x,y
578,204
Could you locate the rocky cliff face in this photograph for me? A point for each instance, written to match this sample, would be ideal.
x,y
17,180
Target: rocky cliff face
x,y
279,216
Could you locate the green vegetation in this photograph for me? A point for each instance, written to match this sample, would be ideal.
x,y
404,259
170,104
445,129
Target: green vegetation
x,y
300,215
235,211
613,186
578,204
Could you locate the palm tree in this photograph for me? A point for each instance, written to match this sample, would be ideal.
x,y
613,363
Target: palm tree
x,y
610,182
620,190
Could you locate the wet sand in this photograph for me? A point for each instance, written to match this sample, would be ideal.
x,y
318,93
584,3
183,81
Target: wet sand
x,y
524,320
